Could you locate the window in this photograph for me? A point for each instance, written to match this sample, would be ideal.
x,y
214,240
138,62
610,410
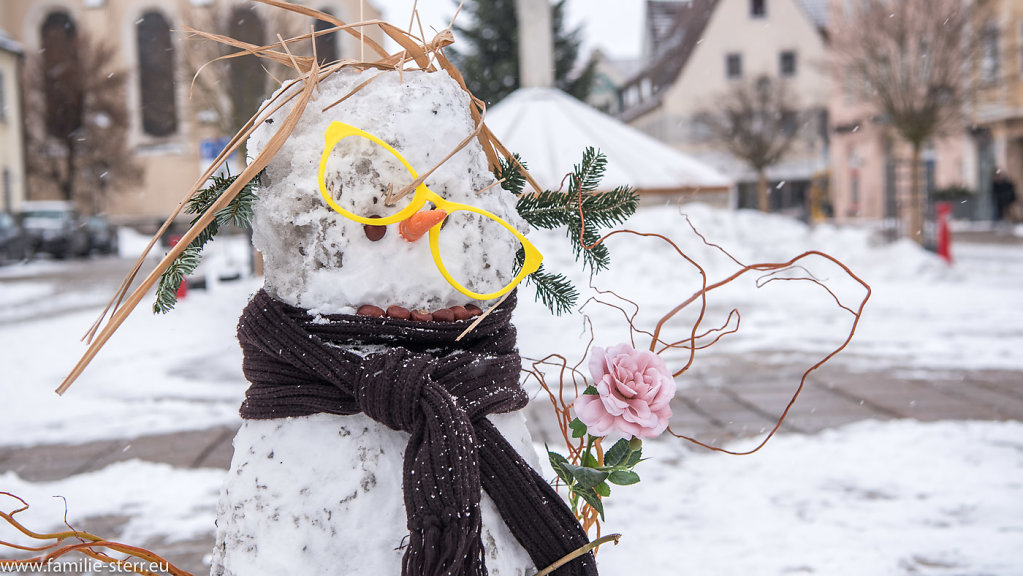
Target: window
x,y
156,75
787,63
758,8
733,65
62,98
326,45
989,53
3,98
247,78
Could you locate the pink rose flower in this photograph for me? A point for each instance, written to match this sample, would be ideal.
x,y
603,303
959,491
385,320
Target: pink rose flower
x,y
635,391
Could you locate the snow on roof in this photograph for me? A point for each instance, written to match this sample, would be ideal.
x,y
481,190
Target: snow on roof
x,y
550,130
817,10
9,44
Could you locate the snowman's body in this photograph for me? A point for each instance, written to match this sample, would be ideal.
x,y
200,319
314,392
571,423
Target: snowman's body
x,y
322,494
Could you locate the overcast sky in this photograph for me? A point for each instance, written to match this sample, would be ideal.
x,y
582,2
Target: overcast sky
x,y
612,25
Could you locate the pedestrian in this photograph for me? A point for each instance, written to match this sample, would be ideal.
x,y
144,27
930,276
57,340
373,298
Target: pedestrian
x,y
1004,193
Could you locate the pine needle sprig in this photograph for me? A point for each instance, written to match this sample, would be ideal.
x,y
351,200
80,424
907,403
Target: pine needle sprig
x,y
173,276
583,211
550,209
238,213
555,290
509,171
595,256
586,176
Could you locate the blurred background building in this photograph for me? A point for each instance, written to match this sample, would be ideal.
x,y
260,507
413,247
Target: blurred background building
x,y
12,159
109,91
697,51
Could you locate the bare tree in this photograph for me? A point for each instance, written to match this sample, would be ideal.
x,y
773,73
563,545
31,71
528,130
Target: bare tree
x,y
76,124
913,60
757,120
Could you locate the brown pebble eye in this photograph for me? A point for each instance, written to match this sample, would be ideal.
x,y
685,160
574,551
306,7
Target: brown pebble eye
x,y
374,233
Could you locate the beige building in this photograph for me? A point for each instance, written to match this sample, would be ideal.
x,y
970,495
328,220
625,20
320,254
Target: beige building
x,y
12,150
172,134
870,176
998,111
698,49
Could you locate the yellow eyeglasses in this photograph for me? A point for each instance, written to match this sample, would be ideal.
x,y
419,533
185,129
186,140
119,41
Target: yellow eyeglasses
x,y
423,195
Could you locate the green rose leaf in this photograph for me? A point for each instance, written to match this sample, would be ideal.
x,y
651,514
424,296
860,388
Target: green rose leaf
x,y
585,477
603,489
634,459
589,460
591,498
623,477
578,428
591,390
617,453
560,465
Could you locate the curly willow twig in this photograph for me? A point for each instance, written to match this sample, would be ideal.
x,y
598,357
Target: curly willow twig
x,y
770,273
88,544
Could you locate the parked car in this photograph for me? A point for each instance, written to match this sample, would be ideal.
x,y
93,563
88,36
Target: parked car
x,y
102,235
55,228
14,242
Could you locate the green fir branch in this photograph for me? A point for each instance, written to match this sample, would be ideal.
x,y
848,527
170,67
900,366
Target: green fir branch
x,y
555,291
238,213
508,169
173,276
552,210
587,175
595,256
583,212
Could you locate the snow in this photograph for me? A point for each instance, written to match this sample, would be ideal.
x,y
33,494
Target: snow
x,y
318,259
550,129
159,500
897,497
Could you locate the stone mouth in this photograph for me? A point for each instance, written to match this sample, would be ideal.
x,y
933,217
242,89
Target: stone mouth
x,y
452,314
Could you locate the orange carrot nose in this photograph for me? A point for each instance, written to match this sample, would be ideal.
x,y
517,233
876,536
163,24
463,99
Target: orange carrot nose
x,y
414,227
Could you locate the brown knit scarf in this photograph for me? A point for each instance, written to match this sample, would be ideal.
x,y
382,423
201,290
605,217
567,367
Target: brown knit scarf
x,y
414,376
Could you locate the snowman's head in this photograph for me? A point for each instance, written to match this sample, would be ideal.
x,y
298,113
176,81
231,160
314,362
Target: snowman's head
x,y
333,232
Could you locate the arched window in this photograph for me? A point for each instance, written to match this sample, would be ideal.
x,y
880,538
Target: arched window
x,y
326,45
156,75
247,77
63,94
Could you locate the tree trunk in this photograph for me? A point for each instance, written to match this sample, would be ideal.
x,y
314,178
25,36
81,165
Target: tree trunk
x,y
916,205
763,201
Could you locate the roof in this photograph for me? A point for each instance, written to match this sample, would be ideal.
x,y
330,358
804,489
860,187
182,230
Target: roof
x,y
690,22
674,50
660,22
9,44
550,130
817,10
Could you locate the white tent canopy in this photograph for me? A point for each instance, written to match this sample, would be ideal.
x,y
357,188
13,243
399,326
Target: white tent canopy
x,y
550,129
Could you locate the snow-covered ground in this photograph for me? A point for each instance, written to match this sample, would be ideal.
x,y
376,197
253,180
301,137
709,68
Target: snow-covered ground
x,y
898,497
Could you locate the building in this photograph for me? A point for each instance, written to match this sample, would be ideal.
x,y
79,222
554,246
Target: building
x,y
174,129
871,164
12,150
697,50
998,111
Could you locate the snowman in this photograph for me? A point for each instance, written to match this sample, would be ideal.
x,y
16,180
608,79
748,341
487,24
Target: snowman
x,y
380,438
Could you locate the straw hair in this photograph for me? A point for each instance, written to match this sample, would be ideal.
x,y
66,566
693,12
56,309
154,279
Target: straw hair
x,y
416,54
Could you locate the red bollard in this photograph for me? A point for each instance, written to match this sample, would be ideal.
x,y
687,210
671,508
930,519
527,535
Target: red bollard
x,y
944,214
182,290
